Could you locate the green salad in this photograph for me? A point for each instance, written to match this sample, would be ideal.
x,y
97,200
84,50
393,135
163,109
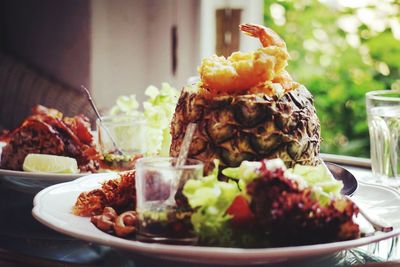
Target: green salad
x,y
262,202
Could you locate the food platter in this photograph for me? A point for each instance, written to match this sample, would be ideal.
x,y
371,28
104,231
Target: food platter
x,y
52,207
31,182
242,115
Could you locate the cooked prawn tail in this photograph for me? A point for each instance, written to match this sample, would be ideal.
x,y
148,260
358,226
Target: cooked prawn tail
x,y
252,30
266,35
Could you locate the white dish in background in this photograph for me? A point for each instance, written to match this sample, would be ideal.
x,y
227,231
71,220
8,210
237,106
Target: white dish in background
x,y
31,182
52,207
44,177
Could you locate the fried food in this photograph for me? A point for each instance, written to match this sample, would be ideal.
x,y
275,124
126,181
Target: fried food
x,y
46,131
118,193
244,70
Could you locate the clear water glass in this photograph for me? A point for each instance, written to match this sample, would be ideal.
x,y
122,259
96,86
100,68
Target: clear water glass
x,y
383,111
128,133
164,213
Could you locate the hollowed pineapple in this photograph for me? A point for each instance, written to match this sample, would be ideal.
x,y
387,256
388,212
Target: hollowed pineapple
x,y
233,128
248,107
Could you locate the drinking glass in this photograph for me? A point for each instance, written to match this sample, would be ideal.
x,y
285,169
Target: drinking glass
x,y
121,139
163,210
383,110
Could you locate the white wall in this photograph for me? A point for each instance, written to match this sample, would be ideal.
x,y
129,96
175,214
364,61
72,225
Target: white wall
x,y
119,47
161,18
131,42
131,46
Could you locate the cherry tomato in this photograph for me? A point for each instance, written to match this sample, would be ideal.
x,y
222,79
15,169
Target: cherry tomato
x,y
240,211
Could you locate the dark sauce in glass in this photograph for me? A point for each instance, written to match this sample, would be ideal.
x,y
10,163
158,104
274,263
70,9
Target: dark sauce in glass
x,y
171,226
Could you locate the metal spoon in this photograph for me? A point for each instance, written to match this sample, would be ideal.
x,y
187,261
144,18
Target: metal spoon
x,y
96,111
181,160
187,140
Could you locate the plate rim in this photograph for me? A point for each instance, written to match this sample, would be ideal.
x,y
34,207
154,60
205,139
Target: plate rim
x,y
177,251
43,176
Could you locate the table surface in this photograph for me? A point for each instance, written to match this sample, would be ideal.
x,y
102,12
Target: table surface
x,y
25,242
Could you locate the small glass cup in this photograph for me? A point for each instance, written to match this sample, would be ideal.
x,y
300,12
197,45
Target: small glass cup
x,y
121,139
164,213
383,110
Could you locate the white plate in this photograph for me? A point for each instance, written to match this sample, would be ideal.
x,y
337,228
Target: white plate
x,y
45,177
32,182
52,207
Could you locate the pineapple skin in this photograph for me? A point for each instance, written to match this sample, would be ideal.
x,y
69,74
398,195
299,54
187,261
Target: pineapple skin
x,y
248,127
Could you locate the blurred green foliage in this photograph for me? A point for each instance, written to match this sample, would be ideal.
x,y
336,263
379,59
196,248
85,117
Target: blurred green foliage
x,y
339,53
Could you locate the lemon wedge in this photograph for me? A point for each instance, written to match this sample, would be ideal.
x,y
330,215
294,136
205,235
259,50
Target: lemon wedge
x,y
49,164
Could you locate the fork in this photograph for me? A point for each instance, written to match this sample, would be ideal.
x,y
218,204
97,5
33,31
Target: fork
x,y
378,224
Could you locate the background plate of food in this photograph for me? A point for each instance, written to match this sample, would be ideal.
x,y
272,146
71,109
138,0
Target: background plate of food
x,y
47,148
34,181
53,207
48,131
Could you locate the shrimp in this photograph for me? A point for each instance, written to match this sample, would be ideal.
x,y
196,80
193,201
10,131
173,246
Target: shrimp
x,y
244,70
267,36
286,80
281,84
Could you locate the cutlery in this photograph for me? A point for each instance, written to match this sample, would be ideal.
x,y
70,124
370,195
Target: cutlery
x,y
378,224
96,111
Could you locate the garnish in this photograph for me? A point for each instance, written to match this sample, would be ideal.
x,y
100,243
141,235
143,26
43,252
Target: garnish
x,y
50,164
111,157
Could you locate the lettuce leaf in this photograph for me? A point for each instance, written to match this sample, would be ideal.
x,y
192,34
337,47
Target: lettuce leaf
x,y
246,172
211,198
324,185
158,111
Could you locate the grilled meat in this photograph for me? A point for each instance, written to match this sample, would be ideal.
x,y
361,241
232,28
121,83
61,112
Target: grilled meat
x,y
47,132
